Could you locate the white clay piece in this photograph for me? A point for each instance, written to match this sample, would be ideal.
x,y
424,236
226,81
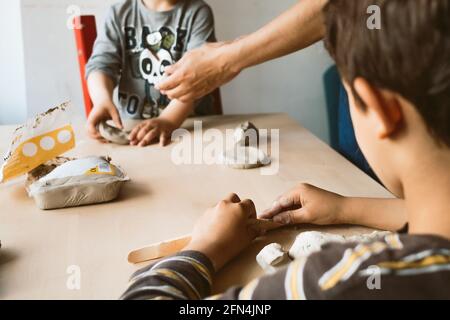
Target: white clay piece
x,y
271,256
364,238
312,241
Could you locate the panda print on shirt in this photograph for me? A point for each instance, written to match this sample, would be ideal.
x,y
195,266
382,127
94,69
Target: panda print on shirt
x,y
149,55
152,63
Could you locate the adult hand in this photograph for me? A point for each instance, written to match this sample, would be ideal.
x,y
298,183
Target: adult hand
x,y
199,72
225,230
100,113
306,204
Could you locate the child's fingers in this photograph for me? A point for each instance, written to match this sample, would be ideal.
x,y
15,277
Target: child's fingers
x,y
115,116
145,129
291,217
164,139
281,204
134,132
233,197
93,131
272,211
149,137
249,208
255,231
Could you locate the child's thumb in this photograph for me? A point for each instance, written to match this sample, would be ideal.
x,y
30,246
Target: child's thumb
x,y
115,116
291,217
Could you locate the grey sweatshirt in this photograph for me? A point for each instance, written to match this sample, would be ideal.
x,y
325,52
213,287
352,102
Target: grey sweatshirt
x,y
137,44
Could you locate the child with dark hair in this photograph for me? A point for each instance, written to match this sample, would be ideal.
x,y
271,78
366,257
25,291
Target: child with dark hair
x,y
398,81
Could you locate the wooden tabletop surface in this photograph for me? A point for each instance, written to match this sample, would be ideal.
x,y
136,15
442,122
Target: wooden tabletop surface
x,y
42,251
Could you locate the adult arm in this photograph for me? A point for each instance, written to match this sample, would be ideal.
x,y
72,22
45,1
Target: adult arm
x,y
202,70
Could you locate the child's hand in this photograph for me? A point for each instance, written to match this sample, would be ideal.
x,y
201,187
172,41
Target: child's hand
x,y
152,130
224,230
100,113
306,204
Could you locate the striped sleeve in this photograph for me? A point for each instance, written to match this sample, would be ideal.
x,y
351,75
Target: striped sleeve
x,y
394,268
185,276
188,276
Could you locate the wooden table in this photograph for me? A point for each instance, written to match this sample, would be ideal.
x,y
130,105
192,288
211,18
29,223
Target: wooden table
x,y
162,201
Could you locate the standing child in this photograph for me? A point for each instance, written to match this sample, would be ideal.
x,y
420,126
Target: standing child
x,y
140,39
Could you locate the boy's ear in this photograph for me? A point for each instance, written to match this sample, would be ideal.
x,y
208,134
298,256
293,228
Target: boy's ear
x,y
384,106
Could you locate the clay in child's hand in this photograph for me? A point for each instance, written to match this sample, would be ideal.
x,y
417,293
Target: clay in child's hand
x,y
115,135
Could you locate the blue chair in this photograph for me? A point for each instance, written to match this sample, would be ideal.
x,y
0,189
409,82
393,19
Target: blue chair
x,y
342,134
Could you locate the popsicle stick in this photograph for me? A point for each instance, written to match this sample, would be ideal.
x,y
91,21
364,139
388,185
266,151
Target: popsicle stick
x,y
158,250
168,247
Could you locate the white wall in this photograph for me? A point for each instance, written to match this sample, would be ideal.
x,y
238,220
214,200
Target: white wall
x,y
12,71
51,61
292,84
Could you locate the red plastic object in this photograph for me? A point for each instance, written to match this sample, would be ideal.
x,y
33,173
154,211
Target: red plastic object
x,y
85,35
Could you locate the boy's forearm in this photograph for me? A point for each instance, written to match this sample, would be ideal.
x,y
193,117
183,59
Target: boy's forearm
x,y
176,112
383,214
294,30
101,88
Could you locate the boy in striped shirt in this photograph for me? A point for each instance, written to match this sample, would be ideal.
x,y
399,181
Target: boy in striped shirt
x,y
398,81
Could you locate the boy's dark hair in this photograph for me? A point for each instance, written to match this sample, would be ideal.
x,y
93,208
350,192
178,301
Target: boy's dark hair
x,y
409,55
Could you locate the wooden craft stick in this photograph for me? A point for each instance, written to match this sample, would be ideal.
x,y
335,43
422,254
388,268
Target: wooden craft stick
x,y
158,250
168,247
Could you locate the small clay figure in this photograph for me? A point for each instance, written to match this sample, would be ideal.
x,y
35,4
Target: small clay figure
x,y
246,134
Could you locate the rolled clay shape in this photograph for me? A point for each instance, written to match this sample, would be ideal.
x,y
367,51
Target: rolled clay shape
x,y
113,134
246,134
312,241
271,256
364,238
110,132
244,158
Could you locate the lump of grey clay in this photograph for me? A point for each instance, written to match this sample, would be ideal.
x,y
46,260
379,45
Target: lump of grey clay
x,y
311,241
244,158
365,238
271,256
111,133
246,134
